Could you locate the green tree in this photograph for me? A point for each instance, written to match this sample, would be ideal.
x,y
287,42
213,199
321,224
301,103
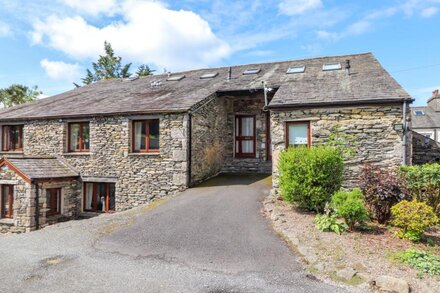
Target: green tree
x,y
18,94
144,70
108,66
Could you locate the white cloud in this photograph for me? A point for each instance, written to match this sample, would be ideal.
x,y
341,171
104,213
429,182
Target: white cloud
x,y
5,30
296,7
428,12
148,33
59,70
93,7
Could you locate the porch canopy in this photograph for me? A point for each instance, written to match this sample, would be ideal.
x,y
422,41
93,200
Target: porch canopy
x,y
31,169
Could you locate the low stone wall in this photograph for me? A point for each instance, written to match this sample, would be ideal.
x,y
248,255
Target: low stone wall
x,y
371,128
424,150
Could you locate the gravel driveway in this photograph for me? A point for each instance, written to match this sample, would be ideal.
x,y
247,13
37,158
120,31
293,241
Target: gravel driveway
x,y
211,238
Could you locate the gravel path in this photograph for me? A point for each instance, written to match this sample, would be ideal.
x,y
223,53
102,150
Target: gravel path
x,y
208,239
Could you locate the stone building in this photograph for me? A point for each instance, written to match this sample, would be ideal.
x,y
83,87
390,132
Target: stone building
x,y
426,120
118,143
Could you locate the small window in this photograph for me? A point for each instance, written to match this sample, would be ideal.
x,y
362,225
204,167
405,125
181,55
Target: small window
x,y
79,137
251,71
209,75
419,113
176,77
146,136
333,66
298,134
245,136
99,197
6,201
12,138
53,196
296,69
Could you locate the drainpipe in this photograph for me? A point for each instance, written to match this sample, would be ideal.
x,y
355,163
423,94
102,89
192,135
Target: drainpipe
x,y
189,147
404,162
37,205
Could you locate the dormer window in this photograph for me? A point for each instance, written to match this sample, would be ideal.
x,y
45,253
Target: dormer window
x,y
12,138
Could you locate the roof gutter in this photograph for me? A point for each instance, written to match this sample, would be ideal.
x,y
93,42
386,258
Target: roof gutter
x,y
339,103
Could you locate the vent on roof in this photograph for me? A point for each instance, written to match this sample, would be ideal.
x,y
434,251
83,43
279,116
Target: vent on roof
x,y
209,75
176,77
251,71
296,69
331,66
419,113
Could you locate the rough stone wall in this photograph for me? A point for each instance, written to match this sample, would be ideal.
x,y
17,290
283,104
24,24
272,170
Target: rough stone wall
x,y
70,203
140,177
22,205
424,150
208,139
248,105
371,126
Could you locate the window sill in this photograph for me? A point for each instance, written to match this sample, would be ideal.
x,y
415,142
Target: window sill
x,y
6,221
11,153
78,154
145,154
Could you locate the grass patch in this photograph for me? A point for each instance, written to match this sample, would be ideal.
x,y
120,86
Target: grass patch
x,y
423,262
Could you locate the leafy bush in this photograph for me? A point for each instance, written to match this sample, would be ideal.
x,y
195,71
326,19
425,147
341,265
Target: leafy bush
x,y
310,176
350,207
413,217
330,223
382,189
423,183
420,260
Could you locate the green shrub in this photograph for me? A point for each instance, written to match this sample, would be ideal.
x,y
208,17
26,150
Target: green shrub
x,y
423,183
310,176
413,218
420,260
350,207
330,223
382,188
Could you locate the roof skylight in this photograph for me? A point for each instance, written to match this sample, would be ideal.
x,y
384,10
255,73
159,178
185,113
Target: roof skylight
x,y
209,75
296,69
331,66
176,77
419,113
251,71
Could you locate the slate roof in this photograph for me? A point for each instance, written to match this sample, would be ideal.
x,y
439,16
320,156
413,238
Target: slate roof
x,y
431,119
368,82
41,168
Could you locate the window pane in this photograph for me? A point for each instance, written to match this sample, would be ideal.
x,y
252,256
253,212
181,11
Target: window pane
x,y
6,200
86,136
139,135
15,136
5,138
74,136
49,199
102,193
112,197
298,134
247,126
89,196
154,135
247,147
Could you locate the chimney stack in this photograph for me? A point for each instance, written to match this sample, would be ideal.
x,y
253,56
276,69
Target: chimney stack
x,y
347,67
230,73
434,101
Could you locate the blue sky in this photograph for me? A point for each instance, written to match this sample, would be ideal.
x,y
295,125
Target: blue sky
x,y
51,43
